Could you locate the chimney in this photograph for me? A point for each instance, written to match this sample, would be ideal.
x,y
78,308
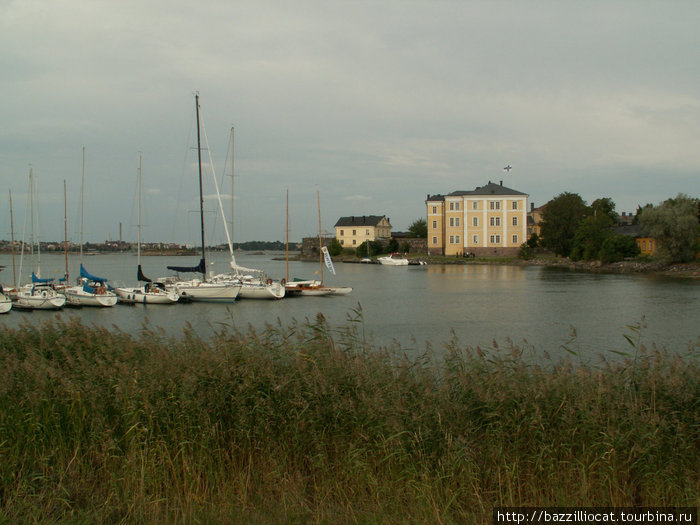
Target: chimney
x,y
501,183
532,207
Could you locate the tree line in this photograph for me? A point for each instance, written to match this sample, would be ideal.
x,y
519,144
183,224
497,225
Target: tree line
x,y
571,228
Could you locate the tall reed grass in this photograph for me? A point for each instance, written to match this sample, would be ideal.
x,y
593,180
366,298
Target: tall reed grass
x,y
310,424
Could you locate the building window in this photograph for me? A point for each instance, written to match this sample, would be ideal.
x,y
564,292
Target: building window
x,y
457,239
452,206
515,221
342,232
475,205
342,241
452,221
515,239
515,205
434,225
434,209
495,205
495,221
434,240
457,221
354,241
475,221
452,239
456,205
495,239
354,232
367,233
475,239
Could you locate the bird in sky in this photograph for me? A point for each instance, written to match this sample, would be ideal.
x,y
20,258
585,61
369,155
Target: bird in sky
x,y
508,168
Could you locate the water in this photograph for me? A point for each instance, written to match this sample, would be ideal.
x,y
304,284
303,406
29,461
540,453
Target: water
x,y
479,304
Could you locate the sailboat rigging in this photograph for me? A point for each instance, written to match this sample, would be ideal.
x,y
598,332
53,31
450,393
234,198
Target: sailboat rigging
x,y
150,292
202,289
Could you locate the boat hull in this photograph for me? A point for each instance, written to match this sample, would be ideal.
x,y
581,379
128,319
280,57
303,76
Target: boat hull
x,y
390,261
39,300
5,304
208,292
253,291
79,297
140,296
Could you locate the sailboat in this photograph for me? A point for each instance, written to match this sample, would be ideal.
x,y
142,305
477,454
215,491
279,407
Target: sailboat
x,y
202,289
316,287
150,292
5,300
255,284
90,290
40,294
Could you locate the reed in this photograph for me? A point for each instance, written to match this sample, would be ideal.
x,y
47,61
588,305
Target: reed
x,y
310,423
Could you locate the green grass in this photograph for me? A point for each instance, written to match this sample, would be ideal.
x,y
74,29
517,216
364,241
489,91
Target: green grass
x,y
311,424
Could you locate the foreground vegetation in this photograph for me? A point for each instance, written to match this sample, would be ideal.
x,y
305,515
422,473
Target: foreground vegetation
x,y
311,424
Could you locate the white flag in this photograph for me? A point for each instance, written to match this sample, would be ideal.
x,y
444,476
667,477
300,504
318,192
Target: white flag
x,y
327,258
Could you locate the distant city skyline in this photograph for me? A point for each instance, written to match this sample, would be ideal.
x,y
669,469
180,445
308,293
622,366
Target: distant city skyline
x,y
373,105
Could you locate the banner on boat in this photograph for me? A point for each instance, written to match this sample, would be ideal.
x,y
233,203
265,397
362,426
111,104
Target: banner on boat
x,y
327,258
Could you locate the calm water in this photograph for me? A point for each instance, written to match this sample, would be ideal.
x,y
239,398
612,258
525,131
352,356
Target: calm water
x,y
418,304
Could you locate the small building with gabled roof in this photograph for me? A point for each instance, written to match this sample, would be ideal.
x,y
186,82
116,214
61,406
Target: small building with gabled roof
x,y
352,231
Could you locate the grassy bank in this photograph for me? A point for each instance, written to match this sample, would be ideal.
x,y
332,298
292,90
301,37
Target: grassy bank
x,y
306,424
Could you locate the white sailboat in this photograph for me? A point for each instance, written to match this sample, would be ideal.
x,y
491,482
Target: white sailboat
x,y
315,287
201,289
255,284
5,300
90,289
150,292
40,294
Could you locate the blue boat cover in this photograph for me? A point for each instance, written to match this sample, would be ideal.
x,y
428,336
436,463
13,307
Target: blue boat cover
x,y
84,273
36,279
201,268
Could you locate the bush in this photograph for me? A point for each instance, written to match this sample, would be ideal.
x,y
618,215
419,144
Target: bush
x,y
618,248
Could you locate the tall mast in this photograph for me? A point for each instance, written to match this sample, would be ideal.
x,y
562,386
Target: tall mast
x,y
286,245
12,248
201,190
138,226
232,157
82,195
320,244
65,227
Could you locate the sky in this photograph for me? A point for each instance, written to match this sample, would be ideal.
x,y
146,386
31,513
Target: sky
x,y
368,105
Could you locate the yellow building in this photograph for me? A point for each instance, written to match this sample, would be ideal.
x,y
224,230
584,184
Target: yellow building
x,y
351,232
489,220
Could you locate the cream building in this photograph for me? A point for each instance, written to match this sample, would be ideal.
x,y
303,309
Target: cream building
x,y
351,232
489,220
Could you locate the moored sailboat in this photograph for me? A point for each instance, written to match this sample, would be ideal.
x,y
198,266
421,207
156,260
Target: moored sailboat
x,y
201,289
150,292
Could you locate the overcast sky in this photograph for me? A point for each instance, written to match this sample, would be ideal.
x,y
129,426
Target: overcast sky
x,y
373,104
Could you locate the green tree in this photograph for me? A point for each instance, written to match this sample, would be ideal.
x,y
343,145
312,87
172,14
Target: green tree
x,y
375,248
674,224
560,220
590,236
418,229
606,206
533,241
335,248
393,246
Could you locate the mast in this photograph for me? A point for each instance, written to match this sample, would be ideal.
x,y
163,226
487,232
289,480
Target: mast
x,y
320,244
286,246
12,247
65,227
201,191
138,215
82,195
232,157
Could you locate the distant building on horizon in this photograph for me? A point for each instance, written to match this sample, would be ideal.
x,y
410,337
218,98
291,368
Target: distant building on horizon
x,y
489,220
352,231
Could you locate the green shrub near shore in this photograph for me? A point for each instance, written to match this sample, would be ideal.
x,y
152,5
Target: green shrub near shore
x,y
308,423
